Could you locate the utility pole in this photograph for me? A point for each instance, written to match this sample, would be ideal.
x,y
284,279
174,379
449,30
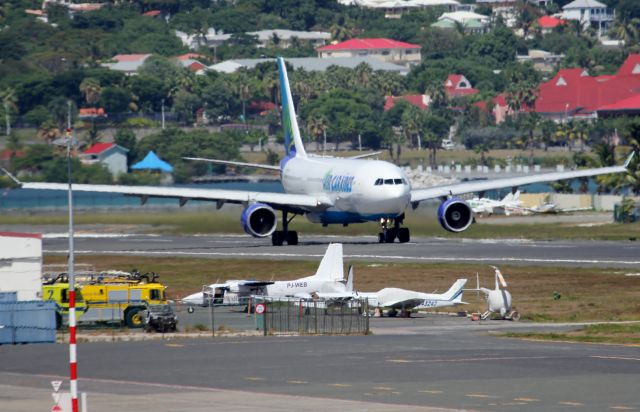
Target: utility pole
x,y
7,118
162,114
73,382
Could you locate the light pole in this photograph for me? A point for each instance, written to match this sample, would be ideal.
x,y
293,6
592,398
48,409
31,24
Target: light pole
x,y
162,114
73,369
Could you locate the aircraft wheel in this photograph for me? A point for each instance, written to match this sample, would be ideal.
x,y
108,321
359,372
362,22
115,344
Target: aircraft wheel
x,y
403,235
390,236
292,238
405,313
392,313
380,237
277,238
515,316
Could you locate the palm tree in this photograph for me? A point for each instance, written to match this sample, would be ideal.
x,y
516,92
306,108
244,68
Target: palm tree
x,y
48,131
317,127
437,94
531,123
341,30
10,105
363,74
482,149
548,130
412,122
90,88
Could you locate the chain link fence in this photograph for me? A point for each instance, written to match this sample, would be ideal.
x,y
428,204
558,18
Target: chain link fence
x,y
317,317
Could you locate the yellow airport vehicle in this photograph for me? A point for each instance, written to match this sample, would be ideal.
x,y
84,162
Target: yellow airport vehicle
x,y
105,298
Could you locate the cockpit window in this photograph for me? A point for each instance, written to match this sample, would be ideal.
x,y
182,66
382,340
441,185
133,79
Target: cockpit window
x,y
388,181
378,182
397,181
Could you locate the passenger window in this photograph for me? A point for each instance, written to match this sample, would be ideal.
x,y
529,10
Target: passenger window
x,y
397,181
388,181
378,182
155,294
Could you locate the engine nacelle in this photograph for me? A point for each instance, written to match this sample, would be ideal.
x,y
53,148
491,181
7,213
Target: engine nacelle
x,y
259,220
455,215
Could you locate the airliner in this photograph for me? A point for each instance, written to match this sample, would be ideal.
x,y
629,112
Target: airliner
x,y
331,190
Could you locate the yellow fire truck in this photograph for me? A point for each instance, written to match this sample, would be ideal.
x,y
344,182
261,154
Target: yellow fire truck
x,y
106,298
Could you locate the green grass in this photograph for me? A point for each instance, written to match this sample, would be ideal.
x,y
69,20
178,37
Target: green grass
x,y
627,334
422,223
588,294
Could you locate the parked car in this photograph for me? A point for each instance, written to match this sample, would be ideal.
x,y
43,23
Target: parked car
x,y
448,144
160,318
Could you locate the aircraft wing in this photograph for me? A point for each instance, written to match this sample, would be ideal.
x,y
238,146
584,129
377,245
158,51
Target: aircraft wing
x,y
233,163
185,194
419,195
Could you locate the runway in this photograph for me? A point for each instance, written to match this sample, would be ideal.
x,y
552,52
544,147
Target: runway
x,y
447,363
619,254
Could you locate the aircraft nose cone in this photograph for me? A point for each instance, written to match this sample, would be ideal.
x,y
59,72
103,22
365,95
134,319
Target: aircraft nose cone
x,y
194,299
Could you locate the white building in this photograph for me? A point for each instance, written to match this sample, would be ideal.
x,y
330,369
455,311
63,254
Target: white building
x,y
21,264
590,13
388,50
112,156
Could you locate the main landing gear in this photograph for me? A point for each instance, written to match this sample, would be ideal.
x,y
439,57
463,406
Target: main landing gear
x,y
389,234
280,236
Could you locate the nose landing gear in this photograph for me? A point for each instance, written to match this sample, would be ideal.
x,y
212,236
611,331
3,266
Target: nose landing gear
x,y
389,234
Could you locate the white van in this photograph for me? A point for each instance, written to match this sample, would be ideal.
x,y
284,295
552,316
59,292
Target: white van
x,y
448,144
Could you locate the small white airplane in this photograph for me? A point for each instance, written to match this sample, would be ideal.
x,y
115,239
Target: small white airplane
x,y
396,299
330,190
498,299
328,278
488,206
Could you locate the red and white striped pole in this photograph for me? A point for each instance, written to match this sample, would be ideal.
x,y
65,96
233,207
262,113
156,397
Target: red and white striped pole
x,y
73,375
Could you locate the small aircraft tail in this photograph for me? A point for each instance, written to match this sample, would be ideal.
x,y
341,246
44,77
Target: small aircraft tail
x,y
454,293
289,120
331,265
499,279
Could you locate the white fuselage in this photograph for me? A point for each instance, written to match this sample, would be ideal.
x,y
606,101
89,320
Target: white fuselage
x,y
302,287
359,189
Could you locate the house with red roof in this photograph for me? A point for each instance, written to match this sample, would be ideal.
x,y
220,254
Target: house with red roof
x,y
421,101
112,156
387,50
91,112
573,93
457,85
152,13
127,63
548,24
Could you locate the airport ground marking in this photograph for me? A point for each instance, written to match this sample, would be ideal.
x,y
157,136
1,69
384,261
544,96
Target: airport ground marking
x,y
526,399
383,388
479,395
174,345
496,358
297,382
615,357
569,403
431,392
621,408
340,385
253,378
353,256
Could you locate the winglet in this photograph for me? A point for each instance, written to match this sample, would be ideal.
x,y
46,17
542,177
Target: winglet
x,y
12,177
629,159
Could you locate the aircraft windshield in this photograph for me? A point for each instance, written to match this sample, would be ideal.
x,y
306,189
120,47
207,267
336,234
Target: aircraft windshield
x,y
381,181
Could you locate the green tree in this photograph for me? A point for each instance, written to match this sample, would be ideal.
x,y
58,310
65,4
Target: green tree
x,y
90,88
9,106
126,138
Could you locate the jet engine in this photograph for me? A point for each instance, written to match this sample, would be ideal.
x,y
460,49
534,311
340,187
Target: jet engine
x,y
259,220
455,215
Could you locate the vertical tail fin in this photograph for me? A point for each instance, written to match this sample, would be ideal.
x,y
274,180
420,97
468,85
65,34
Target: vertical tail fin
x,y
349,285
455,291
289,120
331,265
499,279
